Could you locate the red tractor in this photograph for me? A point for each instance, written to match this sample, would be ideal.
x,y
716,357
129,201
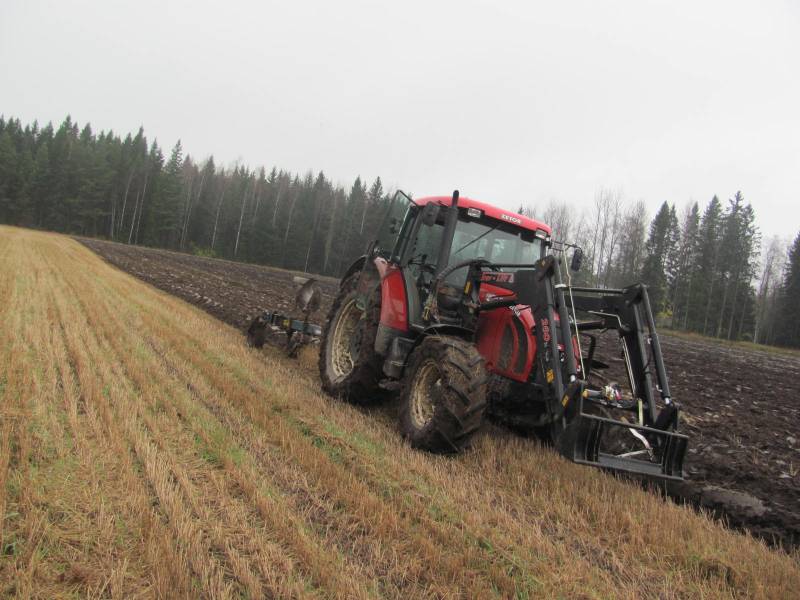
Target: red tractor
x,y
469,311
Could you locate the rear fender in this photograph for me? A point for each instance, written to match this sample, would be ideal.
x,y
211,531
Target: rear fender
x,y
358,264
394,305
394,302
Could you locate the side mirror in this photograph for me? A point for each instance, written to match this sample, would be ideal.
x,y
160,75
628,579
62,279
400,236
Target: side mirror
x,y
577,260
429,213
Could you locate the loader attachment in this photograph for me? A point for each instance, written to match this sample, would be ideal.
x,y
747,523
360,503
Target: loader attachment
x,y
635,431
589,439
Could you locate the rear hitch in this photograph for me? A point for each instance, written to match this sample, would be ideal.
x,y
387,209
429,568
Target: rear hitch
x,y
298,332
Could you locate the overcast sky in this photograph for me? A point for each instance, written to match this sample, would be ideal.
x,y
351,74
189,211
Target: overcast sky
x,y
510,102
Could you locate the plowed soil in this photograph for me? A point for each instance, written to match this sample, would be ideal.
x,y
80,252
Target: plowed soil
x,y
740,405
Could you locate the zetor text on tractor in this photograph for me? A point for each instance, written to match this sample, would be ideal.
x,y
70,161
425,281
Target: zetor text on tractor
x,y
469,311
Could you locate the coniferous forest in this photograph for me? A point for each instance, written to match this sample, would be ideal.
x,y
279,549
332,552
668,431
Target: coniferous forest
x,y
708,268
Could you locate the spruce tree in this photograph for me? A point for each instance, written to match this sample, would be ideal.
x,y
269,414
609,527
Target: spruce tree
x,y
40,191
376,206
8,176
736,265
686,256
354,238
704,288
789,328
658,252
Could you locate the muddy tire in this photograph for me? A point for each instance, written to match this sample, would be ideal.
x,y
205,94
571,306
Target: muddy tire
x,y
348,365
443,399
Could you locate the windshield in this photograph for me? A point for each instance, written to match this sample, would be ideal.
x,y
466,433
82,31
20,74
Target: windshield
x,y
490,239
495,241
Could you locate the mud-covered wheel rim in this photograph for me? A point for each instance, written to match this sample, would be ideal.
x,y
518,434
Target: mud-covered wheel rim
x,y
344,343
426,389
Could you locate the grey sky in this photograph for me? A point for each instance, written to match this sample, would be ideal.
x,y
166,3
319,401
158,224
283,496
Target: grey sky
x,y
509,102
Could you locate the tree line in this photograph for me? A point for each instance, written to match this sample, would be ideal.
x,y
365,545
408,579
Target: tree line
x,y
72,180
705,268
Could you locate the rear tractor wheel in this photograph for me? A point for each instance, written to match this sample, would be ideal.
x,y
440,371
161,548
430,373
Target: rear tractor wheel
x,y
444,395
348,365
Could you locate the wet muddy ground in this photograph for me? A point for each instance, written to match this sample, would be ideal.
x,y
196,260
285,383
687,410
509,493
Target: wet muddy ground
x,y
741,406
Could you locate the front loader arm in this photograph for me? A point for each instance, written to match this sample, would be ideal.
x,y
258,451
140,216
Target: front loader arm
x,y
576,412
628,311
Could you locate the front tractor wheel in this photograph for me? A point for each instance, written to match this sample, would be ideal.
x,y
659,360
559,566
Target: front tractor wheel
x,y
444,395
348,366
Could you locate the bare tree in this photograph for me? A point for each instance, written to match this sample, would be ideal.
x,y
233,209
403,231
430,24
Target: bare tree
x,y
331,229
559,216
277,200
258,197
613,237
133,219
241,215
289,223
314,228
188,182
768,289
630,244
125,199
606,212
219,207
188,211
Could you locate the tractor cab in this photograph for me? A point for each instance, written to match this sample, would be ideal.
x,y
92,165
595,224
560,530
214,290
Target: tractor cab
x,y
422,238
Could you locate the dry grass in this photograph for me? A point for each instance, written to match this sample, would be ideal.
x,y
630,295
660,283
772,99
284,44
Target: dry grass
x,y
146,452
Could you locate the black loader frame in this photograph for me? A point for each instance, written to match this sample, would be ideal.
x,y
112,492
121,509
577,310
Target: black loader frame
x,y
570,402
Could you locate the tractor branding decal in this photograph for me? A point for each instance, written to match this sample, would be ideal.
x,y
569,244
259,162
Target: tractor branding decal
x,y
545,330
495,277
515,220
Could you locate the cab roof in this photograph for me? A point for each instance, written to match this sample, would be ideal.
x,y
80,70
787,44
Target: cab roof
x,y
493,212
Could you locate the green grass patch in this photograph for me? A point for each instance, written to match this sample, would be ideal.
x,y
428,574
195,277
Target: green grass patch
x,y
356,438
218,447
333,452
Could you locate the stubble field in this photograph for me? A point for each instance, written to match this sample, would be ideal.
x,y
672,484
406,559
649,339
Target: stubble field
x,y
146,452
740,403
